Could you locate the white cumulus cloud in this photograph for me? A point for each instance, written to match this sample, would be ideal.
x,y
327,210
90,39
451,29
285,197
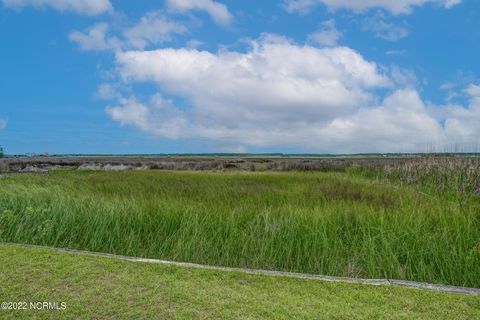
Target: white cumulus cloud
x,y
218,11
107,91
462,124
153,28
95,38
473,91
281,94
327,35
84,7
393,6
159,118
274,76
401,123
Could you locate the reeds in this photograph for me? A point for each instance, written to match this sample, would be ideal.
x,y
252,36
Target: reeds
x,y
343,223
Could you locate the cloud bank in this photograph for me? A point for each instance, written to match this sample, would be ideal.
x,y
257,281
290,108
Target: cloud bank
x,y
281,94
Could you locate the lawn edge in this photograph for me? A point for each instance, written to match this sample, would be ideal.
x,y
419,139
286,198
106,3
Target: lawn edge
x,y
374,282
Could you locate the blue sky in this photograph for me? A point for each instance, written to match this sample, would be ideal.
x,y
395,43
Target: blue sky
x,y
178,76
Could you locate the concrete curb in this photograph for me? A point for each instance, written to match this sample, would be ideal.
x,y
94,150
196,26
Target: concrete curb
x,y
376,282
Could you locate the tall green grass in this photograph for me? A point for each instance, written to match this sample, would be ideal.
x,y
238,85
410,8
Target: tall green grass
x,y
328,223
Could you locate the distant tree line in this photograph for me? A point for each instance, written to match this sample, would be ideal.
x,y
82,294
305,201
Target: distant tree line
x,y
1,152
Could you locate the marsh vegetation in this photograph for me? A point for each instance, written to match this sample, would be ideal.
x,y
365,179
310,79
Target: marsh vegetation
x,y
418,223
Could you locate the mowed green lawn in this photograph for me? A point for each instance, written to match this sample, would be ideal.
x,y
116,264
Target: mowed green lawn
x,y
104,288
323,223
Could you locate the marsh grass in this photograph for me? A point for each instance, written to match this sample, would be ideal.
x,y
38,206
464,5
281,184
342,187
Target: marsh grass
x,y
343,224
